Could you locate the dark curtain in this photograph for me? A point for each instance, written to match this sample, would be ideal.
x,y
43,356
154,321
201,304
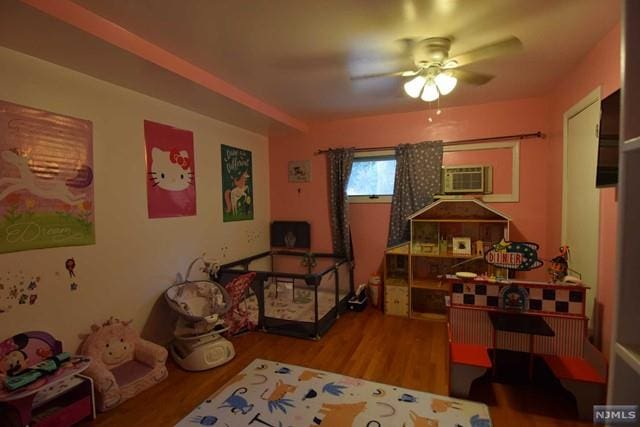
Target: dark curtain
x,y
418,169
339,165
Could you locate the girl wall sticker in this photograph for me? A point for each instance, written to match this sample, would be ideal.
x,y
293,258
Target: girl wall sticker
x,y
171,184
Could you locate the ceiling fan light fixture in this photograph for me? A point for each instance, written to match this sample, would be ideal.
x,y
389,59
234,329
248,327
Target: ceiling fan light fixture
x,y
414,86
430,92
445,82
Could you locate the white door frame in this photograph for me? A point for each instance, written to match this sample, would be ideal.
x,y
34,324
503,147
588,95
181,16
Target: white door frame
x,y
593,96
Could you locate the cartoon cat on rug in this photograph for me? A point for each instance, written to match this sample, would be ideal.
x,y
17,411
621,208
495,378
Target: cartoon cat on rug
x,y
339,415
309,375
277,398
419,421
439,405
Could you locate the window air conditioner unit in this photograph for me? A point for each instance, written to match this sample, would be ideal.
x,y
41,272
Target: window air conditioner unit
x,y
467,179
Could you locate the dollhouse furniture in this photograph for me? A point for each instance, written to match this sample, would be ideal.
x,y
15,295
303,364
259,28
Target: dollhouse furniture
x,y
123,363
444,234
396,280
554,328
60,398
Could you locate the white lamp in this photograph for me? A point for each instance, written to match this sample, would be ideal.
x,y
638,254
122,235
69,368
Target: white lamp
x,y
414,86
445,82
430,92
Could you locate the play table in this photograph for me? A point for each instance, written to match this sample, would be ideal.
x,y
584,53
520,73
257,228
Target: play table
x,y
522,324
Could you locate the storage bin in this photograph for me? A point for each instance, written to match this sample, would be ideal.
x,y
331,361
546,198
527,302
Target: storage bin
x,y
357,303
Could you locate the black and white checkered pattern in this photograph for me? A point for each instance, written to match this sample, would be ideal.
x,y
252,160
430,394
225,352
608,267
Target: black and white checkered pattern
x,y
540,299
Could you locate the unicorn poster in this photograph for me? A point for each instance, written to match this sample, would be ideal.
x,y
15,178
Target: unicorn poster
x,y
237,189
46,179
171,184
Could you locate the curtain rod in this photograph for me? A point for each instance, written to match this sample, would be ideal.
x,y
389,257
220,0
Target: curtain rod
x,y
456,142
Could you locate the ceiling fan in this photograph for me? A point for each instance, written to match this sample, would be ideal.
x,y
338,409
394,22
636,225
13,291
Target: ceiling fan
x,y
436,73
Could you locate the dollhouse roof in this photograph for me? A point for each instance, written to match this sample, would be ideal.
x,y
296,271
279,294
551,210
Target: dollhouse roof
x,y
462,209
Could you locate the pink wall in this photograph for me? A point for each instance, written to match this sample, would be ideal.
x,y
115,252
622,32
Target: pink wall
x,y
370,221
600,67
536,217
500,160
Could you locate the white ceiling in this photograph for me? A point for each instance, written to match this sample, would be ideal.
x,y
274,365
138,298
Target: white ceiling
x,y
298,55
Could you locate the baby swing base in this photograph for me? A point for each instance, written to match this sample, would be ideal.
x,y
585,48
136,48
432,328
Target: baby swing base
x,y
202,353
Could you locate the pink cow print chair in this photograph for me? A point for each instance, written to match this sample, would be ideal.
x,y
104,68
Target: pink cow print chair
x,y
123,364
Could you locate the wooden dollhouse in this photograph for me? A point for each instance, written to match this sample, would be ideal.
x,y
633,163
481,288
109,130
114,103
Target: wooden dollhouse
x,y
446,236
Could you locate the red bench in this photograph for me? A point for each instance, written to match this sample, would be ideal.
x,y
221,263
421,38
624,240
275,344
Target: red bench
x,y
466,363
585,378
470,354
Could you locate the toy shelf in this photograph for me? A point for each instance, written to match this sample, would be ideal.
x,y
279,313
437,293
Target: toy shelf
x,y
466,226
396,281
447,255
430,284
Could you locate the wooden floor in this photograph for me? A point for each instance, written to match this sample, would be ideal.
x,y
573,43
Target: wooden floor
x,y
369,345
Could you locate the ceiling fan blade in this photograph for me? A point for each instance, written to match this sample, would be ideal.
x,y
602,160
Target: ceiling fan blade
x,y
471,77
503,47
406,73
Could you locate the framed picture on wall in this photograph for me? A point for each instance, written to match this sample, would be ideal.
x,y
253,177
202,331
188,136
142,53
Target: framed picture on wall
x,y
462,246
300,171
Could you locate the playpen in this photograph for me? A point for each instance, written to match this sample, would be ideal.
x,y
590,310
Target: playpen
x,y
294,293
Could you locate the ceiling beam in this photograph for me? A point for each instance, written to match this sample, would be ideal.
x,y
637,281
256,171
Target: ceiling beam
x,y
92,23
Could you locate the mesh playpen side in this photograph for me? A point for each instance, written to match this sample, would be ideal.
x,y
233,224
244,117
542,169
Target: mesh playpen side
x,y
294,293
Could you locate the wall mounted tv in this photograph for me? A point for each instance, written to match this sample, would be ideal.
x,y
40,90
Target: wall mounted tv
x,y
608,141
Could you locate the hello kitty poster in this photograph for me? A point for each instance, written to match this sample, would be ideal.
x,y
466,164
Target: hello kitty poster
x,y
171,183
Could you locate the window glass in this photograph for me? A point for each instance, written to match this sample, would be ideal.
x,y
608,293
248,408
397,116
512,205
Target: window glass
x,y
372,176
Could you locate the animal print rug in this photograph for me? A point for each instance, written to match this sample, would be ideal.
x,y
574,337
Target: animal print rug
x,y
273,394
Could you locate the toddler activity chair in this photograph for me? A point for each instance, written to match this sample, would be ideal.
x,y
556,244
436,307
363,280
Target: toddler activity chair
x,y
237,318
123,364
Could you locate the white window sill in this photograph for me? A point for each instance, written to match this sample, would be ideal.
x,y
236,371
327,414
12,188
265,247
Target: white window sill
x,y
369,199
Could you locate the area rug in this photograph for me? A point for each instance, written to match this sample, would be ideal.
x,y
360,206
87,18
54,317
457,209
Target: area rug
x,y
275,394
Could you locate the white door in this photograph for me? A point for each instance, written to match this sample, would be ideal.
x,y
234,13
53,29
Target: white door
x,y
580,219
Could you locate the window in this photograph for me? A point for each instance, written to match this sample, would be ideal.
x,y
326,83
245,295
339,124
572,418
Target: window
x,y
372,178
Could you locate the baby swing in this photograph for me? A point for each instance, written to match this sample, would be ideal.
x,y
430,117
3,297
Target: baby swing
x,y
201,304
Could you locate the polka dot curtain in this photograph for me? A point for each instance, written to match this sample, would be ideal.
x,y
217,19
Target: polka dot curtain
x,y
418,172
339,164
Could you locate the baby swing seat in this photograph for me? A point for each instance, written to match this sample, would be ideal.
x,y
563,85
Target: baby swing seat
x,y
198,344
